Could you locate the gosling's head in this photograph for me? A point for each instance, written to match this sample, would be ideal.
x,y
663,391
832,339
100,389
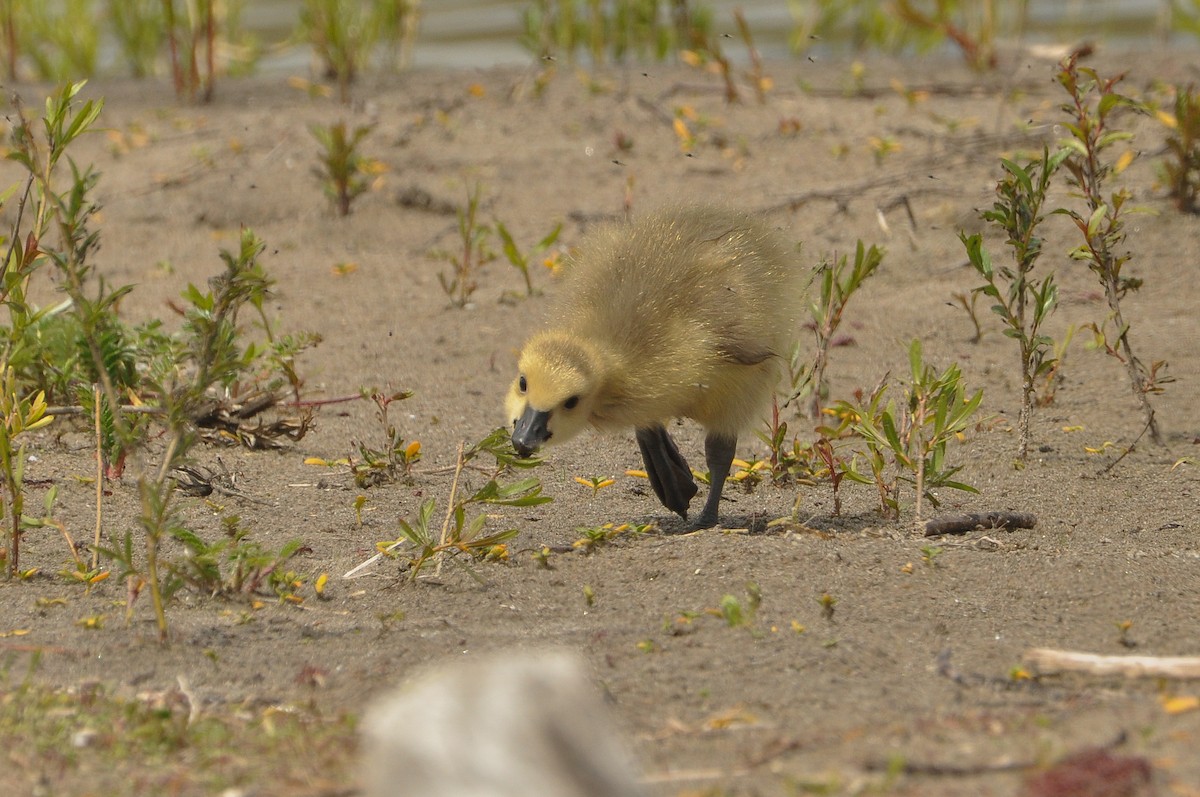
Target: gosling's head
x,y
554,392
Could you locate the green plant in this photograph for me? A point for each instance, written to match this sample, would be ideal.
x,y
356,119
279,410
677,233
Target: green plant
x,y
396,22
344,172
1053,377
139,29
1180,167
968,301
18,416
1022,302
60,39
1092,108
595,483
207,378
395,459
735,613
521,260
839,281
473,253
616,30
592,538
341,35
233,564
910,25
460,533
191,41
914,435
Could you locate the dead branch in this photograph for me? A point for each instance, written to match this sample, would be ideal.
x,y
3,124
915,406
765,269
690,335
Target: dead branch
x,y
1048,661
961,524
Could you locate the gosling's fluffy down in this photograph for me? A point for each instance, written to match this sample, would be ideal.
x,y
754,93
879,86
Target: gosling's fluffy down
x,y
687,312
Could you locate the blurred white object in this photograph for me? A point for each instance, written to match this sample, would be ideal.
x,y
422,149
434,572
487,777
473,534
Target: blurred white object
x,y
513,724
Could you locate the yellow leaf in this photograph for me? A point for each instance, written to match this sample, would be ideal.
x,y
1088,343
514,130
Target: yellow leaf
x,y
799,629
1069,429
681,130
637,474
1167,119
689,57
907,567
1178,705
343,269
1123,162
320,583
315,461
476,90
413,449
728,719
374,166
15,632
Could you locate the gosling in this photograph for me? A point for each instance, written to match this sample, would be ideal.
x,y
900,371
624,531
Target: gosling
x,y
688,312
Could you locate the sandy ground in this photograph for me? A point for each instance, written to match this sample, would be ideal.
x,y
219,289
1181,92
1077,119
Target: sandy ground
x,y
914,662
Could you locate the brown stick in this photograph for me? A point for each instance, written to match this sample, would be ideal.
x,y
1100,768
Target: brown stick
x,y
1046,661
961,524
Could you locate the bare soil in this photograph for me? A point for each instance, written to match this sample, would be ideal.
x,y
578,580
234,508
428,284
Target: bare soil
x,y
912,668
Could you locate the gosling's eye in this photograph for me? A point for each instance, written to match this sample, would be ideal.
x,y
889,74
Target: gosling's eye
x,y
571,403
521,384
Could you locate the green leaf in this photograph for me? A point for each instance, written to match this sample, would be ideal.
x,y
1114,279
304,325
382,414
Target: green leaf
x,y
550,238
1108,139
1093,224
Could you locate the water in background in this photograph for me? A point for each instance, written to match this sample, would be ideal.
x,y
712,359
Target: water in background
x,y
482,33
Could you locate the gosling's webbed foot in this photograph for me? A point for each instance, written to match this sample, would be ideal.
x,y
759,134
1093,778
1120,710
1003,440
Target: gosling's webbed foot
x,y
669,473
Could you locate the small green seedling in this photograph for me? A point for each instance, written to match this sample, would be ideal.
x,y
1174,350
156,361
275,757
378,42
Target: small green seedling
x,y
592,538
460,533
522,260
930,554
344,172
915,435
595,483
473,253
827,602
395,458
839,280
1022,302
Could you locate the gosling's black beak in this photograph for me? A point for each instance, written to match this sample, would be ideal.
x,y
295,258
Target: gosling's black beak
x,y
530,431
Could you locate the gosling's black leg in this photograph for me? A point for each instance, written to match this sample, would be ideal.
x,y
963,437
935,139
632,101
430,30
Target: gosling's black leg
x,y
669,473
718,453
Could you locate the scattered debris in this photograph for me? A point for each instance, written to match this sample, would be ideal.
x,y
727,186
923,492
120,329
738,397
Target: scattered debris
x,y
961,524
1047,661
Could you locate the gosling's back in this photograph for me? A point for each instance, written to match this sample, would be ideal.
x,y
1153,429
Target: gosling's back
x,y
697,306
